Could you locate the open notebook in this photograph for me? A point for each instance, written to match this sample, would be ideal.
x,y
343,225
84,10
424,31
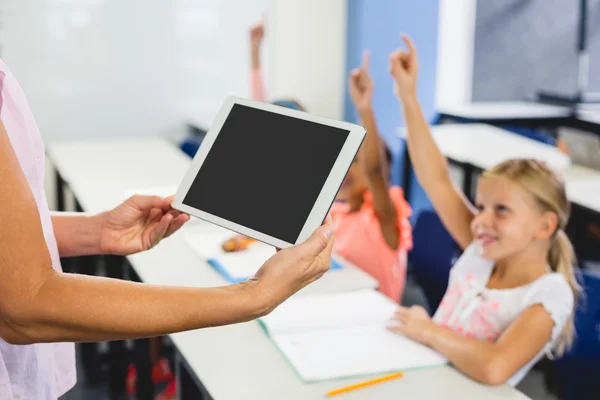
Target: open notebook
x,y
336,335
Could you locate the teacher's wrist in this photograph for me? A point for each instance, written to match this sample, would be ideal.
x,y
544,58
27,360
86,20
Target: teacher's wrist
x,y
77,233
261,301
98,224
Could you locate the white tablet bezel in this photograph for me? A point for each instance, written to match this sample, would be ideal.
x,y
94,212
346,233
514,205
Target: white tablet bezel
x,y
326,196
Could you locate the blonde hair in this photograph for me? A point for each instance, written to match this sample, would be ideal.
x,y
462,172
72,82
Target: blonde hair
x,y
549,192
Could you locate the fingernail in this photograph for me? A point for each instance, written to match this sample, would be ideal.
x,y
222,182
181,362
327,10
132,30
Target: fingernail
x,y
329,232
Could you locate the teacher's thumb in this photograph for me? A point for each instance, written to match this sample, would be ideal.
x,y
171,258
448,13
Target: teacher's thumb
x,y
320,240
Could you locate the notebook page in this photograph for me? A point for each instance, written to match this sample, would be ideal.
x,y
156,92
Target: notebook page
x,y
330,310
353,351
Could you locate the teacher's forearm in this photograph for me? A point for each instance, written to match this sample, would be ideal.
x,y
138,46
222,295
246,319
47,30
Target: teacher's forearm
x,y
77,234
70,307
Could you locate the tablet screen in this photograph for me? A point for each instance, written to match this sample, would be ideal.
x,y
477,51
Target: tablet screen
x,y
265,171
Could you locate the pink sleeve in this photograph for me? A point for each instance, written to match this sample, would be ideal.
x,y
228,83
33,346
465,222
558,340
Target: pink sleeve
x,y
2,75
257,86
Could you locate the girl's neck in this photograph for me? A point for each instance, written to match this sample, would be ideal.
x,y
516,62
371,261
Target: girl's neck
x,y
519,269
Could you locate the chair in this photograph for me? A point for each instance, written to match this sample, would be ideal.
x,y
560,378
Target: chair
x,y
539,135
191,145
579,369
434,251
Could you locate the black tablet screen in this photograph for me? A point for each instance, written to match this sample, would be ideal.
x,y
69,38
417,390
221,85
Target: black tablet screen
x,y
266,170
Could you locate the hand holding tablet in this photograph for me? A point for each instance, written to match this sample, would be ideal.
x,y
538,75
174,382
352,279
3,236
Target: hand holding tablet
x,y
293,162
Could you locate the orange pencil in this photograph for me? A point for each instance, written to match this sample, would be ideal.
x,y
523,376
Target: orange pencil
x,y
364,384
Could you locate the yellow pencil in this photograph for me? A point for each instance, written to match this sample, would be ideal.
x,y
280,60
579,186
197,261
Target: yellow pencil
x,y
364,384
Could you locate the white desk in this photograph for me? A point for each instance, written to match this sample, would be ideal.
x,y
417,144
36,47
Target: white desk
x,y
591,116
484,146
525,113
504,110
102,173
481,146
236,361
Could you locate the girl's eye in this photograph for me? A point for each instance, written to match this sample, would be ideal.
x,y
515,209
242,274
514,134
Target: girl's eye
x,y
501,208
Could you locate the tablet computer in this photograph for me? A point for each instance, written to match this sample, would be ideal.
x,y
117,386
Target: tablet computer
x,y
268,172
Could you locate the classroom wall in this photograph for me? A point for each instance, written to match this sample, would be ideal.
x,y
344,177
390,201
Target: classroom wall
x,y
127,68
455,52
310,53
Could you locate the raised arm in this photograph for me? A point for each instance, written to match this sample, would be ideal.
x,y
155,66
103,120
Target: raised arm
x,y
257,85
40,304
371,154
429,163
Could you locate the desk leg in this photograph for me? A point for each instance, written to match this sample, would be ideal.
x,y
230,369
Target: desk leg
x,y
188,387
144,388
60,194
468,189
406,173
117,354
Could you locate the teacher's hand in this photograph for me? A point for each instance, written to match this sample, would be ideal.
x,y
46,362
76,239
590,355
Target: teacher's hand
x,y
293,268
139,224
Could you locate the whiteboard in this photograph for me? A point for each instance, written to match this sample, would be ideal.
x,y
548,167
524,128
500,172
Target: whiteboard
x,y
127,68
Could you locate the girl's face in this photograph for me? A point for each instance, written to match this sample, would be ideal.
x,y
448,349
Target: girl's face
x,y
508,221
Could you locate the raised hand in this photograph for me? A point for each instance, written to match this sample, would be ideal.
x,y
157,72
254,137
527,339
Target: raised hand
x,y
361,85
404,69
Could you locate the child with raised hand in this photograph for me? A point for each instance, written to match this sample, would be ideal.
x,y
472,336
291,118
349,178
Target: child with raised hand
x,y
257,85
371,219
373,231
511,295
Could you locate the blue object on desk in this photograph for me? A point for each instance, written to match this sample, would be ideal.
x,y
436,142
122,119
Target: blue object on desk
x,y
221,270
434,251
579,369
